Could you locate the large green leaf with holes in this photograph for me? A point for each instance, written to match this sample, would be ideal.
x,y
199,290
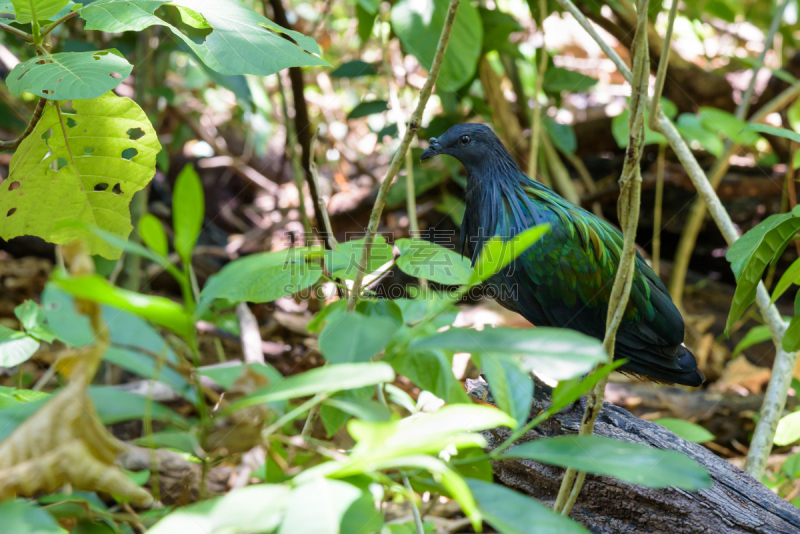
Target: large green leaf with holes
x,y
85,169
419,25
26,10
241,40
751,254
70,74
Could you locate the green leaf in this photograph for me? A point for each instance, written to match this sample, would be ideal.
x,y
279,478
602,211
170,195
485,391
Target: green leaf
x,y
451,480
384,308
453,207
791,276
44,9
152,233
362,516
788,429
568,391
256,508
369,107
511,512
132,248
94,183
772,130
558,353
757,334
497,28
24,517
562,135
115,405
425,433
15,347
432,371
158,310
226,375
318,507
629,462
791,466
791,338
793,115
512,387
423,259
726,124
33,321
751,254
354,338
242,40
329,379
366,21
688,431
370,6
364,409
419,25
70,75
146,367
181,441
691,128
557,79
345,261
497,253
188,208
262,277
353,69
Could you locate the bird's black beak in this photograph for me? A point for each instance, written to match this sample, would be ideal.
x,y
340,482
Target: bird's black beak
x,y
433,150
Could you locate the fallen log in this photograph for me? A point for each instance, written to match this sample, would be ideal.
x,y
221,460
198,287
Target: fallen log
x,y
736,503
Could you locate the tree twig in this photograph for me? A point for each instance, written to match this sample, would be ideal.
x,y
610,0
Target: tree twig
x,y
399,155
663,62
18,33
62,20
533,158
37,114
657,208
628,211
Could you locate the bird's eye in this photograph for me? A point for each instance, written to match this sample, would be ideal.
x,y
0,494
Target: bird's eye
x,y
465,139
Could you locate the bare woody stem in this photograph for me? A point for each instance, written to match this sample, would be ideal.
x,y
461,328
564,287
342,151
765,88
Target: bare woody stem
x,y
628,211
37,114
533,158
399,156
62,20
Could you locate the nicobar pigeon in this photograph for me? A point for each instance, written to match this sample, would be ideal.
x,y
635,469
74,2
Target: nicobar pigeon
x,y
564,279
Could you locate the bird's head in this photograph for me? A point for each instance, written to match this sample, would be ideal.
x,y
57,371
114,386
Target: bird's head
x,y
474,145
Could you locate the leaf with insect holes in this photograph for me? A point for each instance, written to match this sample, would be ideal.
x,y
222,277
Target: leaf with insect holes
x,y
70,74
242,41
86,170
43,9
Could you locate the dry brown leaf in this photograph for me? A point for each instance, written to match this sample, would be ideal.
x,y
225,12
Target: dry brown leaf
x,y
64,442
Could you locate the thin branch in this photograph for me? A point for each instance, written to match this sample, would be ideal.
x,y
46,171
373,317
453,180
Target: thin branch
x,y
18,33
322,209
62,20
663,62
658,208
399,156
536,128
628,210
37,114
